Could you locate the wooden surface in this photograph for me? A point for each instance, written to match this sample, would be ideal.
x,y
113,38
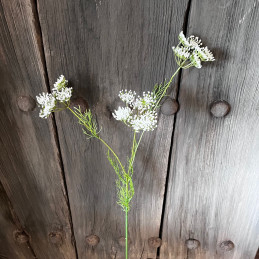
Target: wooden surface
x,y
103,47
29,164
9,247
210,190
213,185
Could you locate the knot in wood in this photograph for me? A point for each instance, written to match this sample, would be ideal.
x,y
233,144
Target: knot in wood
x,y
79,102
92,240
227,246
26,103
122,241
219,108
56,238
154,242
169,107
21,237
192,244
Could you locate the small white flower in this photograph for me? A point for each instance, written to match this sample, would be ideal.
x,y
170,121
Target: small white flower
x,y
46,99
209,54
181,52
194,42
204,54
60,83
147,102
127,96
195,60
144,122
201,54
64,94
44,113
183,40
122,114
47,102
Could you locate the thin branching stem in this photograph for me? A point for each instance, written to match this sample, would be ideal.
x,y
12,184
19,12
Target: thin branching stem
x,y
166,87
117,158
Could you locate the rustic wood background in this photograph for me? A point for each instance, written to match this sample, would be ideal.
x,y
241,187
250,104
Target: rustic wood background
x,y
196,176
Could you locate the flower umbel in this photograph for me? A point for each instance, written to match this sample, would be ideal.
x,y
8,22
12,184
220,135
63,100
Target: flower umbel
x,y
122,114
140,115
144,122
60,83
64,94
189,53
147,102
47,102
127,96
61,94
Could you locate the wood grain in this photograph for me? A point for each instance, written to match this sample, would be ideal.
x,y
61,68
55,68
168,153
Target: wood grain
x,y
103,47
9,248
29,163
213,184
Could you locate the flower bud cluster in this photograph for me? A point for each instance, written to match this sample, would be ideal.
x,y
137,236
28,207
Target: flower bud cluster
x,y
190,50
139,112
60,94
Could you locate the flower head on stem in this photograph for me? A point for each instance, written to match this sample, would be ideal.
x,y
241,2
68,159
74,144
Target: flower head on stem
x,y
61,95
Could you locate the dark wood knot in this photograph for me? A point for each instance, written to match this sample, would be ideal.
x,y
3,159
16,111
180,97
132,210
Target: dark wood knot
x,y
79,102
227,246
122,241
154,242
220,108
56,238
21,237
92,240
26,103
192,244
169,107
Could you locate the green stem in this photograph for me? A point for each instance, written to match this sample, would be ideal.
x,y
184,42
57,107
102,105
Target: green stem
x,y
122,167
126,234
168,84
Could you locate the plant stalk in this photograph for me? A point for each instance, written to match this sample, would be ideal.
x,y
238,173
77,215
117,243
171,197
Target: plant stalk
x,y
126,233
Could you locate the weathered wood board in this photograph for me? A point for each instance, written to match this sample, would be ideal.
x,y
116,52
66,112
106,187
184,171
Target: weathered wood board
x,y
103,47
9,247
213,185
29,163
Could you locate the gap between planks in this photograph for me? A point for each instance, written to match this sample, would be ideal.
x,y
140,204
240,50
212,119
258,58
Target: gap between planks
x,y
185,26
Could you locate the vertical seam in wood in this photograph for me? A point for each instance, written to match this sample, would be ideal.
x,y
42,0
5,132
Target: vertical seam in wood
x,y
35,12
185,26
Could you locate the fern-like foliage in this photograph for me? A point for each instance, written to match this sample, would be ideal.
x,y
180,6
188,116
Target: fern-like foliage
x,y
124,184
87,121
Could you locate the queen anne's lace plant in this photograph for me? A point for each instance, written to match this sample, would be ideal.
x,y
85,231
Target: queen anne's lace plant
x,y
139,113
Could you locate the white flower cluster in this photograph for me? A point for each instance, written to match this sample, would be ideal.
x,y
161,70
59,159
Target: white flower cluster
x,y
139,114
190,49
122,114
144,122
60,93
127,96
47,102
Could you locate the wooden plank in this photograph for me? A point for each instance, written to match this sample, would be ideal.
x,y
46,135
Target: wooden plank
x,y
103,47
9,246
213,184
29,161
